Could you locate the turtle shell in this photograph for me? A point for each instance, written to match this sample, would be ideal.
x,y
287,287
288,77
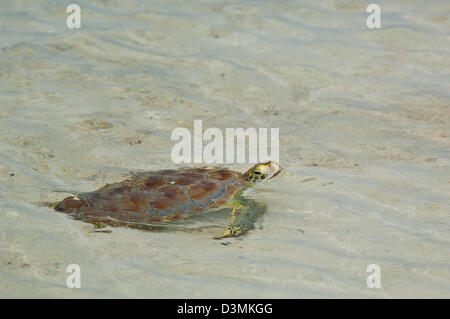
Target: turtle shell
x,y
158,196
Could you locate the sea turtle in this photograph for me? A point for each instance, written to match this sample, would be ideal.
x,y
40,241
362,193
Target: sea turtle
x,y
161,196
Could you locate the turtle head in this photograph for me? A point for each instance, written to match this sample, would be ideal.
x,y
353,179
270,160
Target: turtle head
x,y
263,171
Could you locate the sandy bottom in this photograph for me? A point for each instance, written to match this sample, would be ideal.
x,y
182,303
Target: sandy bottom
x,y
364,120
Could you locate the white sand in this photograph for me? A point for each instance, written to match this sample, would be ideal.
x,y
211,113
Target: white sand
x,y
364,137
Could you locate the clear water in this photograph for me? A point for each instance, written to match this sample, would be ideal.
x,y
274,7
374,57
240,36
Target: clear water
x,y
364,138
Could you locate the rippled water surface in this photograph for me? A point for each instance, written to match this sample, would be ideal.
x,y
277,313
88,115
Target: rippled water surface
x,y
364,138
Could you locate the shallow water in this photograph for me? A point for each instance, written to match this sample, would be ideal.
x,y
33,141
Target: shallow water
x,y
364,138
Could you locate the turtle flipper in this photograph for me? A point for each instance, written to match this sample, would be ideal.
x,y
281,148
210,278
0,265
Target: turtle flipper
x,y
101,228
243,217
